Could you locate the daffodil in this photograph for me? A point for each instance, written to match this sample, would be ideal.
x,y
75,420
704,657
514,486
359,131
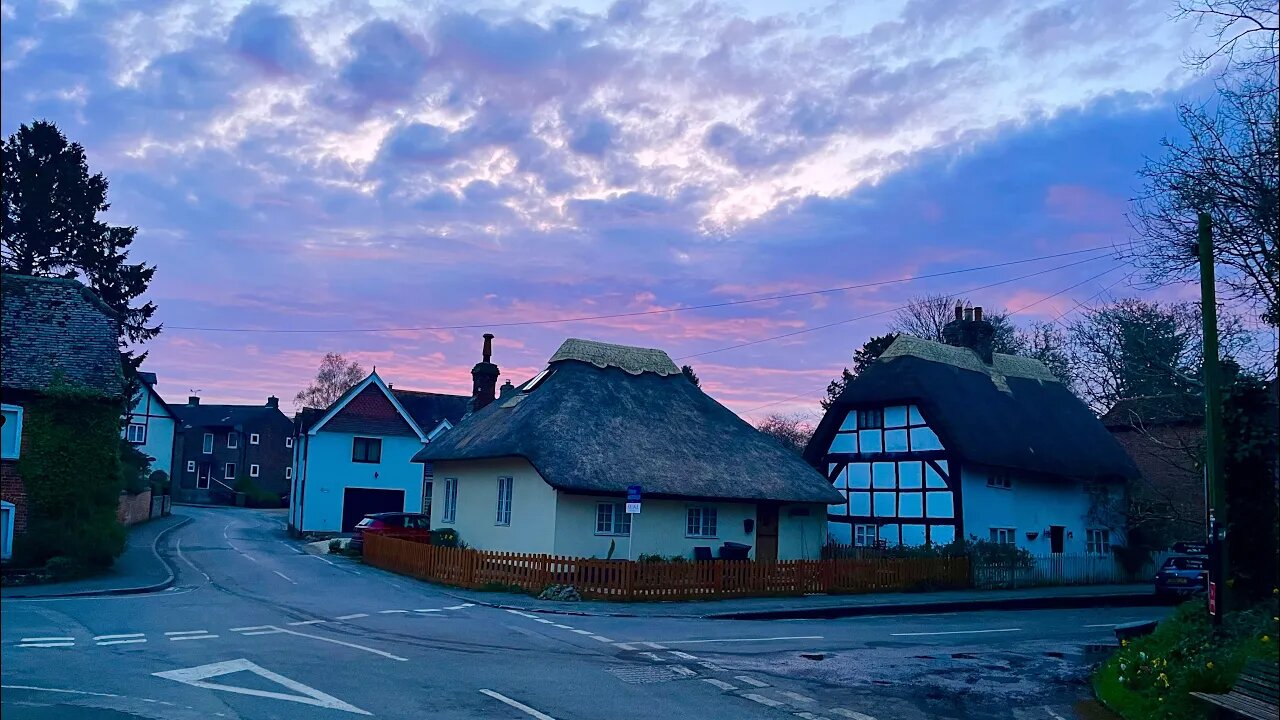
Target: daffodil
x,y
1209,665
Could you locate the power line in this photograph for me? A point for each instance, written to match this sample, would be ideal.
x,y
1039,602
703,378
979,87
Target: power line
x,y
1067,289
639,313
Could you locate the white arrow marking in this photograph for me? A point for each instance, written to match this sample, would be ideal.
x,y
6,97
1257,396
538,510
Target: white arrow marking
x,y
197,676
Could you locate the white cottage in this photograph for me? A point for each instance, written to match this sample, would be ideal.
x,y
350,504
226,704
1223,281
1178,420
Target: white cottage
x,y
936,442
545,467
150,426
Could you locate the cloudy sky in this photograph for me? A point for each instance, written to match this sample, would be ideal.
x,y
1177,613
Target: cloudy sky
x,y
394,170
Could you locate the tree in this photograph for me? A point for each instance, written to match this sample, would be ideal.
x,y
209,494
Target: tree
x,y
688,372
1244,30
51,229
793,431
926,316
1250,470
335,377
1226,166
862,359
1047,343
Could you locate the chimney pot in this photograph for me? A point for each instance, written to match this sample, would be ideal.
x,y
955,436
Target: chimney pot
x,y
968,313
959,311
273,402
484,377
193,399
488,346
977,313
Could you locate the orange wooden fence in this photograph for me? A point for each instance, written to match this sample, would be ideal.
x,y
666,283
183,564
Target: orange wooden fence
x,y
626,580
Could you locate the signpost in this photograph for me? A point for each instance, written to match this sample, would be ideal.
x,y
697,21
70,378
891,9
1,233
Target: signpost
x,y
633,508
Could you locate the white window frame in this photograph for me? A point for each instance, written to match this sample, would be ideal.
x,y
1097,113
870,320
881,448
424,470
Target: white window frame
x,y
450,512
253,471
15,413
254,438
706,525
865,535
1003,535
288,473
619,521
207,479
138,438
208,444
288,442
1097,541
191,466
1000,480
233,440
505,487
229,471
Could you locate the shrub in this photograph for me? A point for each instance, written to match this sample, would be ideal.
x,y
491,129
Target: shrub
x,y
335,546
159,482
255,494
64,568
446,537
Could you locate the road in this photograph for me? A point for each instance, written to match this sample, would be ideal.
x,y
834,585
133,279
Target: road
x,y
256,628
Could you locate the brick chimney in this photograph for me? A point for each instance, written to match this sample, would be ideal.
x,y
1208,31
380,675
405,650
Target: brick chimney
x,y
193,399
970,330
484,377
273,402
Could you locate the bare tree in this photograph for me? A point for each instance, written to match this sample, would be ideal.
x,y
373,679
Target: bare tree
x,y
335,377
793,431
1047,343
1244,32
926,316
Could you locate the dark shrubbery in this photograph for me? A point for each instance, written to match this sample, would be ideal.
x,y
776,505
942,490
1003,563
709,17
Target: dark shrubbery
x,y
255,495
446,537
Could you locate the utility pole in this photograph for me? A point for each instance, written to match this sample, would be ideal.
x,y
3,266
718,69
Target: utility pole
x,y
1219,564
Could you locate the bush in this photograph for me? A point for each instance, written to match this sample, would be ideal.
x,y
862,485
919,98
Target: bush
x,y
335,546
64,568
255,495
159,482
135,469
446,537
1153,676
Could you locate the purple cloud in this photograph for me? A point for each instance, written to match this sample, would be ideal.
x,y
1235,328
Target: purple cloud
x,y
270,40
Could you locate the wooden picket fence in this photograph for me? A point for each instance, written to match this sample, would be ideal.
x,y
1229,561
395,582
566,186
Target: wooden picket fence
x,y
628,581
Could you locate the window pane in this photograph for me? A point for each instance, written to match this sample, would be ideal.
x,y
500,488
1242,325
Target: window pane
x,y
869,441
909,474
939,505
840,508
895,440
860,475
850,421
895,416
911,505
860,504
883,475
885,504
942,534
845,443
923,438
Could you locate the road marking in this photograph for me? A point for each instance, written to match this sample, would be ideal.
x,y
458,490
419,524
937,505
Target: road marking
x,y
956,632
118,637
292,547
193,637
308,622
684,655
731,640
427,610
517,705
57,690
521,613
580,632
199,632
193,566
797,696
711,666
198,676
391,612
122,642
719,683
459,607
264,632
601,638
346,644
763,700
682,670
563,627
48,639
47,645
653,645
545,621
652,656
809,716
286,577
851,714
242,629
624,646
352,616
326,560
750,681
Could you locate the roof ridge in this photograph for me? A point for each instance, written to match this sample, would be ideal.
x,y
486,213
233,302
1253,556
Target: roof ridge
x,y
631,359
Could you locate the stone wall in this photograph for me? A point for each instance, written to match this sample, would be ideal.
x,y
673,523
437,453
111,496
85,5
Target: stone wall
x,y
134,509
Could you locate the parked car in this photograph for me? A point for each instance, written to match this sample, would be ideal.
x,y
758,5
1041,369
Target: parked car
x,y
411,526
1182,575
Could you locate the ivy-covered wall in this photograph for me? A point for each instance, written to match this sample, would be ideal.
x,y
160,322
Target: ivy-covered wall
x,y
71,468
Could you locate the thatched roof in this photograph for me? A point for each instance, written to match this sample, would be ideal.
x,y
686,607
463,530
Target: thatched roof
x,y
608,416
1010,414
55,329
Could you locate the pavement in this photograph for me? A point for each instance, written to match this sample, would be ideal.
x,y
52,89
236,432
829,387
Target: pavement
x,y
139,569
255,627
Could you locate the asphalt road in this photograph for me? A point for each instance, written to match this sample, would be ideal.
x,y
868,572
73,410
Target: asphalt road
x,y
256,628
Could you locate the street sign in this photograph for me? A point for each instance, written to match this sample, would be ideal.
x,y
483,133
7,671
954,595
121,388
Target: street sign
x,y
633,508
1190,548
633,499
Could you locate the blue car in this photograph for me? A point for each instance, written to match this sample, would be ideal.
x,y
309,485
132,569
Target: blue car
x,y
1182,575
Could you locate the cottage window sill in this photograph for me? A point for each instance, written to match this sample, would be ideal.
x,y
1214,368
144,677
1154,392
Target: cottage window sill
x,y
612,534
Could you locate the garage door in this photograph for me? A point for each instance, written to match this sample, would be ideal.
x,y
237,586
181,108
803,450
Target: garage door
x,y
358,502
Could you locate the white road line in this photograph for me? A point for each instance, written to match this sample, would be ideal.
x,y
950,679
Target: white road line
x,y
391,612
653,645
193,566
750,681
545,621
682,670
955,632
711,666
47,645
427,610
286,577
719,683
265,632
851,714
48,639
563,627
122,642
458,607
118,637
601,638
770,702
56,690
325,560
200,632
808,716
521,613
346,644
291,547
517,705
624,646
797,696
239,629
732,640
684,655
308,622
352,616
193,637
653,656
580,632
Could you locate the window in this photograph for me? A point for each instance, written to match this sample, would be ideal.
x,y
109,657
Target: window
x,y
136,434
999,479
11,430
253,471
233,439
864,535
208,443
504,501
1097,542
870,419
1004,536
191,466
366,450
253,438
288,473
701,522
612,519
229,472
450,500
288,442
537,380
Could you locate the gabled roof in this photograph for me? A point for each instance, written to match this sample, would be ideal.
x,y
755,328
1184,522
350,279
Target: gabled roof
x,y
1010,414
604,417
55,328
149,380
194,416
429,409
421,412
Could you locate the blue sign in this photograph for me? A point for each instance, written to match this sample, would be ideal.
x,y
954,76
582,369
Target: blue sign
x,y
633,493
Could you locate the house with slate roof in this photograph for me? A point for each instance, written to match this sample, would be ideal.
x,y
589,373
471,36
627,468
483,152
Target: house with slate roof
x,y
546,466
53,331
942,441
355,457
151,424
219,444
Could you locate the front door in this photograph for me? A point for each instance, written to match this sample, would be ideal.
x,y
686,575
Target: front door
x,y
204,475
1056,539
767,532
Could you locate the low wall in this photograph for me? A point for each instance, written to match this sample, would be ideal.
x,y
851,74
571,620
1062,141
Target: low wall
x,y
134,509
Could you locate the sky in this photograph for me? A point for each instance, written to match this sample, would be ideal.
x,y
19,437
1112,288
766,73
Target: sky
x,y
394,170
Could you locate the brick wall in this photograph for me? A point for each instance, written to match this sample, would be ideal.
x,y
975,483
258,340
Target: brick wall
x,y
1165,455
134,509
13,490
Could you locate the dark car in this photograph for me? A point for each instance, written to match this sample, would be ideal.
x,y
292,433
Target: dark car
x,y
411,526
1182,575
